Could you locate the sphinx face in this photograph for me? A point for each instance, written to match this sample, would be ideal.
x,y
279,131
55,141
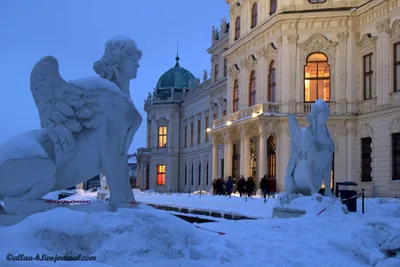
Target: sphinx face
x,y
322,118
129,67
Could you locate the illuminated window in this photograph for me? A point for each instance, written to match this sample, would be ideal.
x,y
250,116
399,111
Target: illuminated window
x,y
225,67
237,28
198,131
205,128
368,72
235,96
317,78
216,73
396,67
191,133
161,174
272,7
254,15
272,83
185,141
252,89
271,158
162,136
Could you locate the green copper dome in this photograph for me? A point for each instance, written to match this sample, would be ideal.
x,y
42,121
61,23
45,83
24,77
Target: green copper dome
x,y
176,77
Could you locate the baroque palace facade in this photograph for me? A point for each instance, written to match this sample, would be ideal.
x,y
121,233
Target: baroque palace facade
x,y
277,58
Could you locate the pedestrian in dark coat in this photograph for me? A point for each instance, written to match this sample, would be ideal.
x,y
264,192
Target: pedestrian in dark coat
x,y
229,185
264,186
241,185
250,186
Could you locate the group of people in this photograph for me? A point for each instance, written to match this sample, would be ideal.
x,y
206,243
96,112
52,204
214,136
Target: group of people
x,y
241,185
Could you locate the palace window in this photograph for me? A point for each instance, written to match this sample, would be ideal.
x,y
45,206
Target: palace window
x,y
205,130
207,174
366,159
368,72
225,67
149,134
186,172
216,73
396,67
396,156
316,1
317,78
252,89
235,96
224,112
215,111
272,83
185,138
199,174
237,28
162,136
198,131
192,175
161,174
191,133
254,15
272,7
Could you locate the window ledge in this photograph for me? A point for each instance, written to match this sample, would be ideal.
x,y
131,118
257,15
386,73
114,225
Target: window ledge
x,y
368,105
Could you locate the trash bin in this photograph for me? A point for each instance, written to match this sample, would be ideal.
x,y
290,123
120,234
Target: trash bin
x,y
344,194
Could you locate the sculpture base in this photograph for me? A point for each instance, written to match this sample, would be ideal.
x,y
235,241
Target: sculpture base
x,y
15,211
287,213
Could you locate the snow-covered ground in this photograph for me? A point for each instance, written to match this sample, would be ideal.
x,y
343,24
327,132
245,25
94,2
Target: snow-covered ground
x,y
148,237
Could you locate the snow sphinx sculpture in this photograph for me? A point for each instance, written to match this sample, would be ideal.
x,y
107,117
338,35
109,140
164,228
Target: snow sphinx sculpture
x,y
87,127
311,152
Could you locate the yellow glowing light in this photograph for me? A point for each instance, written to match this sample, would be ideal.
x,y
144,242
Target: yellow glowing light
x,y
228,123
254,115
208,130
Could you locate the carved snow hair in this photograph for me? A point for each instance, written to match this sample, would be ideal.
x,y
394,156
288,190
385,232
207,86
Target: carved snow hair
x,y
116,50
316,108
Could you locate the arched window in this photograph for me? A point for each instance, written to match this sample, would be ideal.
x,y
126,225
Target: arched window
x,y
254,11
237,28
317,78
252,89
272,7
235,96
272,83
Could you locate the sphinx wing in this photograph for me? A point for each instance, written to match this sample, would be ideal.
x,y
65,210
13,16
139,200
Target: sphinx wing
x,y
295,137
63,108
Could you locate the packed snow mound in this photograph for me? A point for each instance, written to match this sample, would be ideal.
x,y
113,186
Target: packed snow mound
x,y
375,242
311,204
316,203
127,236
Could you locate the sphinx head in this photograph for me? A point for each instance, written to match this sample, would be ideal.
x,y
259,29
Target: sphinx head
x,y
121,55
319,113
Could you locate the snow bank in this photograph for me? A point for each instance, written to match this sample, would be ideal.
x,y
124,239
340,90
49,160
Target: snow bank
x,y
128,236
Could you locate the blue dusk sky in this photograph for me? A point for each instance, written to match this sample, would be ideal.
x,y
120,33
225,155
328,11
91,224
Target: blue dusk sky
x,y
75,32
